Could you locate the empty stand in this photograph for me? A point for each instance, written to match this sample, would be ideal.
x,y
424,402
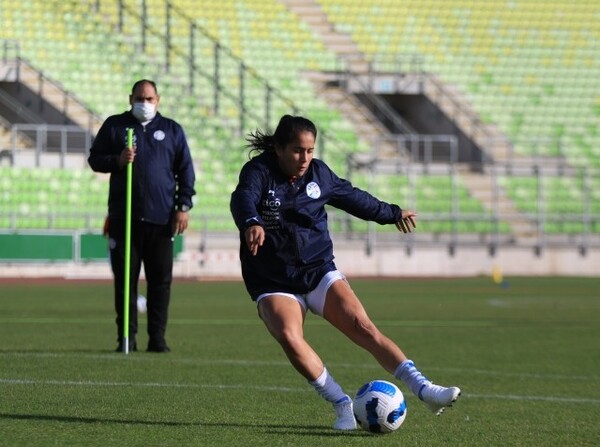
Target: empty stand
x,y
529,67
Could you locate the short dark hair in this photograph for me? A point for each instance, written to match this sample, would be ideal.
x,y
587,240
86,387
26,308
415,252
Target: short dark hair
x,y
144,81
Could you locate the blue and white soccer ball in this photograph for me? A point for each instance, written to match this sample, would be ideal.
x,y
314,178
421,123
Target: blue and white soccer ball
x,y
379,407
142,306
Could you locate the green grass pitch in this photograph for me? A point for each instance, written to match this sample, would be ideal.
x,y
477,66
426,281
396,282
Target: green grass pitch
x,y
527,357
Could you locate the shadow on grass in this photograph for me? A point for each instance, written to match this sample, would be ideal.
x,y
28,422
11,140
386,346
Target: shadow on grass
x,y
90,351
272,429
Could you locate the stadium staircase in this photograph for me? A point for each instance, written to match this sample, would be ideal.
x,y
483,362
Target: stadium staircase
x,y
491,78
514,63
447,98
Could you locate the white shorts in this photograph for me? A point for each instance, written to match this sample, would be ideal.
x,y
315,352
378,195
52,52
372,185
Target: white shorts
x,y
313,300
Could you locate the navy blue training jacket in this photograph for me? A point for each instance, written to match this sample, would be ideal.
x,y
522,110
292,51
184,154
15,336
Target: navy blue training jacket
x,y
163,171
298,250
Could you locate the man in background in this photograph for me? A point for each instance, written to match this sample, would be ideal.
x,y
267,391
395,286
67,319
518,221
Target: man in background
x,y
162,189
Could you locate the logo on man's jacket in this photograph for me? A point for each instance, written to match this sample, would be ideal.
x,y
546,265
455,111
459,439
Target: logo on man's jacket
x,y
313,191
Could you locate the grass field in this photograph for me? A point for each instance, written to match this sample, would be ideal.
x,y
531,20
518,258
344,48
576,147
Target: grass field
x,y
527,358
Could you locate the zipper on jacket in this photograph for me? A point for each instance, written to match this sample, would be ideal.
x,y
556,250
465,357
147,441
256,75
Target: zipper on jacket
x,y
145,179
295,189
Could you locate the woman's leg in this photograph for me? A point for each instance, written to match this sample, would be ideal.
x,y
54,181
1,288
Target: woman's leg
x,y
284,318
344,310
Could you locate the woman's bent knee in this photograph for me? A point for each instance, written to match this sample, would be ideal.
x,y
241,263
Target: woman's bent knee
x,y
289,338
364,329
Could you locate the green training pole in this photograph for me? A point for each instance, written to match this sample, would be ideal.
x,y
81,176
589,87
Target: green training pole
x,y
126,286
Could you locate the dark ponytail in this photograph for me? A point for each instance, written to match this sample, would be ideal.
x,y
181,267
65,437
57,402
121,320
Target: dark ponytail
x,y
287,130
258,141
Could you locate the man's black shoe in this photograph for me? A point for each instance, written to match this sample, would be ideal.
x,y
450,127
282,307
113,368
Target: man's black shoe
x,y
152,347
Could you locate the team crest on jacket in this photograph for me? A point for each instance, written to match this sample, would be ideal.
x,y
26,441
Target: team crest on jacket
x,y
159,135
313,191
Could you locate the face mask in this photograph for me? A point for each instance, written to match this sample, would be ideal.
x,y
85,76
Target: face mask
x,y
143,111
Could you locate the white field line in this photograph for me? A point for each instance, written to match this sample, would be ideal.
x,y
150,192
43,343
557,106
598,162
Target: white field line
x,y
245,322
133,357
71,383
88,383
568,400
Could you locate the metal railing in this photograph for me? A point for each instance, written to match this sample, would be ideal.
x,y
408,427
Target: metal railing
x,y
205,57
33,128
536,228
50,139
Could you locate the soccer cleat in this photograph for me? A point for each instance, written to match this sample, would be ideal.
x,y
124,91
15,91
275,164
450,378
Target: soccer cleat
x,y
345,415
437,398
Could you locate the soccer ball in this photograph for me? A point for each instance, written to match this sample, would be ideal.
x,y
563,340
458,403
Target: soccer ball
x,y
379,407
141,304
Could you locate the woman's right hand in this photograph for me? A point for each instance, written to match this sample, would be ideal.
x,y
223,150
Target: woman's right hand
x,y
255,237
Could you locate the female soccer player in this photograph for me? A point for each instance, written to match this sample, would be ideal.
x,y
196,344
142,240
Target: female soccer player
x,y
287,259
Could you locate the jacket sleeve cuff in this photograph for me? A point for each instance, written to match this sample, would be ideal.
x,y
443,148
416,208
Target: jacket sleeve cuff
x,y
184,206
254,220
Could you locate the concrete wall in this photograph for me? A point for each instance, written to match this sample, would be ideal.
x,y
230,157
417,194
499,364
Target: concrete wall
x,y
220,261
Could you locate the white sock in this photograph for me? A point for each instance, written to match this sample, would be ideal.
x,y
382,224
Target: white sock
x,y
412,377
329,388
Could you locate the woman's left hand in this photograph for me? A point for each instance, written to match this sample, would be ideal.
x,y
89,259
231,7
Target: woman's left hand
x,y
407,223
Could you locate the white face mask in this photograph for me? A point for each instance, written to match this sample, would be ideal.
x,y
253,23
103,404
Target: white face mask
x,y
143,111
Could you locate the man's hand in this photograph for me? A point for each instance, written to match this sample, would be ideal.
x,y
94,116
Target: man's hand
x,y
255,237
407,223
126,156
180,222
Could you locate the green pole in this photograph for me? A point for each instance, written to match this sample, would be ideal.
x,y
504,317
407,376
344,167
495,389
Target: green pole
x,y
127,288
